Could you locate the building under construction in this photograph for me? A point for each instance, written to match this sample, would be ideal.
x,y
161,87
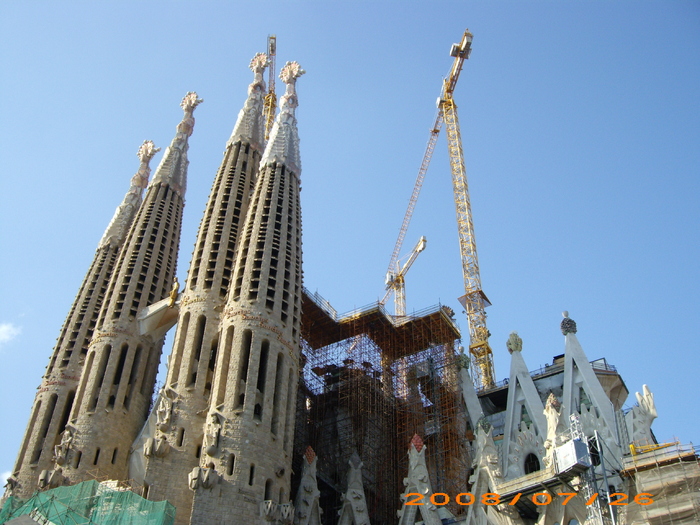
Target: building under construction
x,y
277,410
372,381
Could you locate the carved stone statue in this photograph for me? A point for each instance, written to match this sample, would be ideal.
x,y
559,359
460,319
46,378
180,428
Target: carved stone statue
x,y
554,437
211,434
640,418
60,451
174,292
164,412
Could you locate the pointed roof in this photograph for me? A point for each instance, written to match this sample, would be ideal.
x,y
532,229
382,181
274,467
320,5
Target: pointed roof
x,y
125,212
283,145
173,167
250,125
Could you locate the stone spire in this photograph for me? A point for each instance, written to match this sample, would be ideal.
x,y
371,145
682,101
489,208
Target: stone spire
x,y
173,167
283,146
250,125
199,353
115,387
46,446
254,395
124,214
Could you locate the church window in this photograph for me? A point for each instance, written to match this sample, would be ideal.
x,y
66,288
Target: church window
x,y
532,464
268,490
97,456
251,475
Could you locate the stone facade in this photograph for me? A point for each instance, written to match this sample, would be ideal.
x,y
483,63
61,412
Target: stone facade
x,y
115,389
196,355
47,444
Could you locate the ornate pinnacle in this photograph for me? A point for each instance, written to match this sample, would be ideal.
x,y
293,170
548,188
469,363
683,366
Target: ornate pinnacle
x,y
258,65
568,326
283,145
188,104
514,343
290,72
146,151
249,124
118,227
289,75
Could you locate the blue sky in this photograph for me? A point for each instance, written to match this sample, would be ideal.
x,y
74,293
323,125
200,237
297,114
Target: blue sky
x,y
581,130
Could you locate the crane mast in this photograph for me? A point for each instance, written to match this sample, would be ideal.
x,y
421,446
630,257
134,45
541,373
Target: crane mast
x,y
270,102
474,300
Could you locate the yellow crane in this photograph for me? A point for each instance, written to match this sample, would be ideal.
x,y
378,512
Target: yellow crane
x,y
270,103
474,300
395,279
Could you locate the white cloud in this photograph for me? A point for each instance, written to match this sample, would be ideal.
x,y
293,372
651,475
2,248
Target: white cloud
x,y
4,476
8,332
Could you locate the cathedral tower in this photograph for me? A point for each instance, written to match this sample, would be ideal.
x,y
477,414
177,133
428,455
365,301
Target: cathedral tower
x,y
177,440
247,442
44,443
116,385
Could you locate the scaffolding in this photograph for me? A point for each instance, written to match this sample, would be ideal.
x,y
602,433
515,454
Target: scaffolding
x,y
670,477
89,502
370,381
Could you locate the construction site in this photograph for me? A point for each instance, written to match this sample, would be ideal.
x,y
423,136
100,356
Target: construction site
x,y
370,383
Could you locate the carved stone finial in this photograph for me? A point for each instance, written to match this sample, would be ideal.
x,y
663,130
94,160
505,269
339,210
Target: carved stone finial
x,y
514,343
290,72
568,326
417,442
283,145
146,151
309,454
190,101
259,63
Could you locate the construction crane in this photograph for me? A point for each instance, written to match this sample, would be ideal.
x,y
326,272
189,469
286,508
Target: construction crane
x,y
474,300
270,103
395,279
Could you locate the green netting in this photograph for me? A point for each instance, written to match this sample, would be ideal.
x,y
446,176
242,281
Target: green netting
x,y
91,503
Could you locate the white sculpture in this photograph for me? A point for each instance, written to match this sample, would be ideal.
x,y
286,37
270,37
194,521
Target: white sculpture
x,y
61,450
640,418
211,434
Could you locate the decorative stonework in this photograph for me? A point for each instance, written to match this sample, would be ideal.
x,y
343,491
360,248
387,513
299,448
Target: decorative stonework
x,y
640,418
61,450
568,326
514,343
250,125
308,510
417,481
283,145
173,167
354,509
124,215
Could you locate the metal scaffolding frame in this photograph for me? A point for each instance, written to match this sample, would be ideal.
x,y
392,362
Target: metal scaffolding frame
x,y
370,381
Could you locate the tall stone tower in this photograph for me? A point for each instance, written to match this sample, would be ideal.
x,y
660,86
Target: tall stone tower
x,y
117,382
183,403
247,441
45,442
